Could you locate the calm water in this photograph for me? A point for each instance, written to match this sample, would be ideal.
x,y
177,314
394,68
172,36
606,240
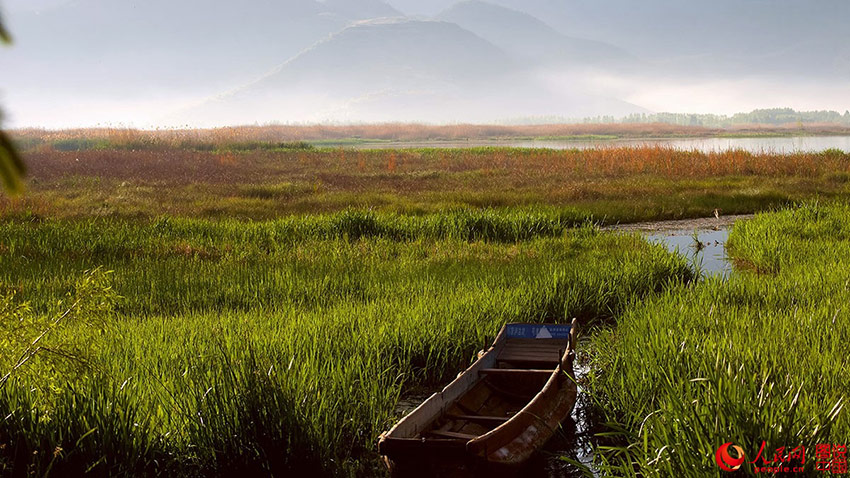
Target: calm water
x,y
712,254
756,145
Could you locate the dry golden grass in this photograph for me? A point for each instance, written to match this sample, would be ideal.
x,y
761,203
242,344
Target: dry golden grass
x,y
339,166
620,184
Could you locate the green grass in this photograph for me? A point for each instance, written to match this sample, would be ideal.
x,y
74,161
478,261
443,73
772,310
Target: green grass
x,y
757,357
274,347
610,201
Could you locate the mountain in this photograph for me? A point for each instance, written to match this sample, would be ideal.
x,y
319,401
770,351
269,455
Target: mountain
x,y
394,53
366,63
524,36
132,61
392,70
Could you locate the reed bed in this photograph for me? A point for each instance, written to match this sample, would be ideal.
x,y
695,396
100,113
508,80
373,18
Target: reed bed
x,y
274,347
609,184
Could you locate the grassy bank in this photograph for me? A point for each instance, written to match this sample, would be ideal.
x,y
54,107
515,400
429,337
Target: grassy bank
x,y
272,347
756,358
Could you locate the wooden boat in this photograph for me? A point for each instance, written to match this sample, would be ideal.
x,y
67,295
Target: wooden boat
x,y
497,412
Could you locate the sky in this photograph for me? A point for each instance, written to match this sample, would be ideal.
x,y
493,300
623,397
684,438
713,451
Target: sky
x,y
169,63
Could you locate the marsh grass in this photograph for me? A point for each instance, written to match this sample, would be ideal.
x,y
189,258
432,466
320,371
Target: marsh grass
x,y
349,134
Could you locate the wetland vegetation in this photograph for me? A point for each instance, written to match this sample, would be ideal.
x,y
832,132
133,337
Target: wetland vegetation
x,y
205,311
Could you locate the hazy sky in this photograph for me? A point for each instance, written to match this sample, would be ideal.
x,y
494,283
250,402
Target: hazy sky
x,y
410,7
167,62
24,5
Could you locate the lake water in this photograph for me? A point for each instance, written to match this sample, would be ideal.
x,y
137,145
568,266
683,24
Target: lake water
x,y
755,145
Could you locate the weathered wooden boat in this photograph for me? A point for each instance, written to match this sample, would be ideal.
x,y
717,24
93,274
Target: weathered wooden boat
x,y
497,412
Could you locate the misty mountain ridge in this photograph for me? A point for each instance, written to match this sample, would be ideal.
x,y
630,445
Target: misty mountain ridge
x,y
395,68
393,52
793,37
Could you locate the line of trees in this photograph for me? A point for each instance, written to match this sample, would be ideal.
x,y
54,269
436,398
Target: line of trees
x,y
771,116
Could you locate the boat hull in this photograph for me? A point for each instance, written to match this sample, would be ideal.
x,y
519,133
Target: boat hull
x,y
496,414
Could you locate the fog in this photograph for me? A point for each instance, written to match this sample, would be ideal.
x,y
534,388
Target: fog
x,y
169,63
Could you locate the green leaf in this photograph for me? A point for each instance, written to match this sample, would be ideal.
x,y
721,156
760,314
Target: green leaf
x,y
12,168
4,35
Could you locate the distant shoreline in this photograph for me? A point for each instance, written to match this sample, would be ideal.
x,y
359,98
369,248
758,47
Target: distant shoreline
x,y
355,135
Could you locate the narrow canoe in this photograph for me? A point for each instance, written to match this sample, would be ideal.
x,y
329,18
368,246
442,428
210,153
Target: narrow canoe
x,y
497,412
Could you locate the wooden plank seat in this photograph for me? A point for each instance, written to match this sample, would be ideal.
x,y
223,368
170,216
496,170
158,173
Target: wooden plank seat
x,y
532,351
478,418
516,372
447,434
